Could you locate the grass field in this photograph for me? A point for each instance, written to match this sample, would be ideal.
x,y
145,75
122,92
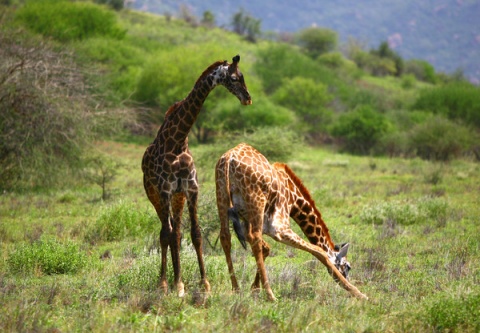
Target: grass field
x,y
71,262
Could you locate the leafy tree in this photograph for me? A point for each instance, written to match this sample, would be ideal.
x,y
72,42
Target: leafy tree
x,y
360,129
308,100
246,25
208,19
317,41
384,53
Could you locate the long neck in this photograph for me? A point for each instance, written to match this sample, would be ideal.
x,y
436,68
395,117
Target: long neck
x,y
310,221
181,116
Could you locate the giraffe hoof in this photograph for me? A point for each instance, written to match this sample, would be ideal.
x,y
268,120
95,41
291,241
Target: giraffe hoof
x,y
180,289
163,285
206,285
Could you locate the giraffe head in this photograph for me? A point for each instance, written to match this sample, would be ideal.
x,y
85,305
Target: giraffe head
x,y
340,260
230,77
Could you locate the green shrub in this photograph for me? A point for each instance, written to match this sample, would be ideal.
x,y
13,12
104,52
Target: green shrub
x,y
229,115
167,78
278,62
276,143
68,21
421,70
408,81
440,139
360,129
457,100
317,41
452,313
121,220
47,255
308,99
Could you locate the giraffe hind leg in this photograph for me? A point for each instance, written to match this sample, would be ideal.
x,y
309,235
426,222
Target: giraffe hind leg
x,y
266,253
225,237
257,245
165,232
196,236
177,203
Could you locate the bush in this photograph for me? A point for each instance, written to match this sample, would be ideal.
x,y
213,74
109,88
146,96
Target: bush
x,y
317,41
47,255
229,115
457,100
167,78
42,132
440,139
68,21
308,99
119,221
277,144
279,62
421,69
360,130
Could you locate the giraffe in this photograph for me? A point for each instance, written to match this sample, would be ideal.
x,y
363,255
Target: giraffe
x,y
264,197
169,174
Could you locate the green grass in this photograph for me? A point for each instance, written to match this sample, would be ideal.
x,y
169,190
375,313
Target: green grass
x,y
414,251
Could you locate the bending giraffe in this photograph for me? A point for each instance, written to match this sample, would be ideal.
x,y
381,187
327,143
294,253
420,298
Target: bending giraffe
x,y
169,174
264,197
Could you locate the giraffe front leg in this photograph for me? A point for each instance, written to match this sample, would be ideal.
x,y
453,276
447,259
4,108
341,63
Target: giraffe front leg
x,y
175,240
165,235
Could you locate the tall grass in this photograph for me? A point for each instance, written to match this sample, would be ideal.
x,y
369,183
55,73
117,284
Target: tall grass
x,y
47,256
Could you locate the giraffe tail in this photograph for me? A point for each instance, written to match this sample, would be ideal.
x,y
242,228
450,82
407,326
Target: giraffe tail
x,y
237,226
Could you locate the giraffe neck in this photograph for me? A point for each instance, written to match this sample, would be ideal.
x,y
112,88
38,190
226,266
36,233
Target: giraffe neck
x,y
181,116
310,221
304,212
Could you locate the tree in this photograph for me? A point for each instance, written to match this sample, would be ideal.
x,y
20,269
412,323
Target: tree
x,y
385,52
246,25
208,19
317,41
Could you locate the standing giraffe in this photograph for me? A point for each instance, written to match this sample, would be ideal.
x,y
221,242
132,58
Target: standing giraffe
x,y
264,197
169,174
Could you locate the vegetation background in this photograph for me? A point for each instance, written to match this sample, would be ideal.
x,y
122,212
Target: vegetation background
x,y
445,33
388,148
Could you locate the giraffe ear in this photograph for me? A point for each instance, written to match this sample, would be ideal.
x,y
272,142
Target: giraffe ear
x,y
343,251
234,65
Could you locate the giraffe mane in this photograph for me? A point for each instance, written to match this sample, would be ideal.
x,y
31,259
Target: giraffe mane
x,y
210,68
306,194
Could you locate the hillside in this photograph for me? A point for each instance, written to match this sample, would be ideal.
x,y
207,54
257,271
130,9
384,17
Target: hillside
x,y
445,33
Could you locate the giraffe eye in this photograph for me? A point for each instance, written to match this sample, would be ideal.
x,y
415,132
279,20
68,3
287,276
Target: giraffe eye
x,y
234,78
